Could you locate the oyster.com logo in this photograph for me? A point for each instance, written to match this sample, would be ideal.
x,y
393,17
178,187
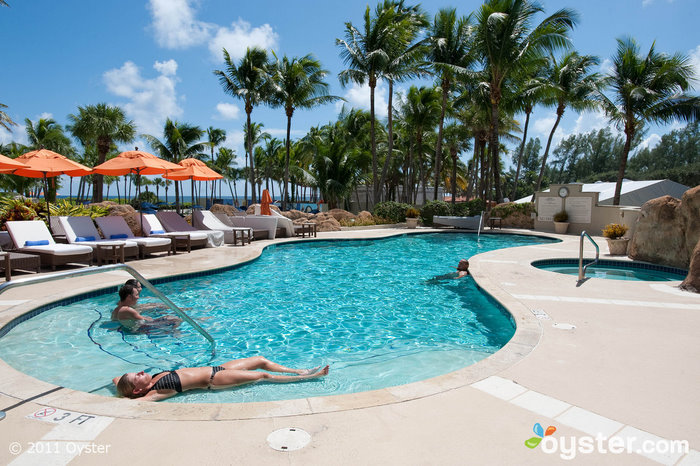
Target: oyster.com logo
x,y
532,442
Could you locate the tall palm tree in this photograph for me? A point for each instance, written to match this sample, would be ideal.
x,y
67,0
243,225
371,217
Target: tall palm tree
x,y
403,62
215,137
366,54
449,53
297,83
569,84
48,134
506,43
180,141
247,81
102,125
647,88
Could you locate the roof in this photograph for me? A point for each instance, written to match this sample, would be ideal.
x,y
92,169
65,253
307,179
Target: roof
x,y
633,193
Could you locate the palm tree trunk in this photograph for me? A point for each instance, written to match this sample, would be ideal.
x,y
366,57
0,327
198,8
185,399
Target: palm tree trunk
x,y
438,146
453,152
493,143
390,139
546,151
252,162
623,165
520,153
286,163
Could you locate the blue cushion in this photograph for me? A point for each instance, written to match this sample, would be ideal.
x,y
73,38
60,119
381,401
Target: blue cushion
x,y
41,242
157,232
84,238
120,235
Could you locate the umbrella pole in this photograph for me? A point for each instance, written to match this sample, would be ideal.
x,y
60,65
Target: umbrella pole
x,y
138,196
46,197
192,180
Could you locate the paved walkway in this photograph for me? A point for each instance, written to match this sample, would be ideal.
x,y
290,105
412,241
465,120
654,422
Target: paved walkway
x,y
608,359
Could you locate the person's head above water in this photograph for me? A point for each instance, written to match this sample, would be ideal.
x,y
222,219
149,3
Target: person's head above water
x,y
126,291
133,282
463,265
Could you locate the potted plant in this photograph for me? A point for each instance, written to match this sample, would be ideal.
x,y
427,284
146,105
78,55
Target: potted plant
x,y
412,215
614,232
561,223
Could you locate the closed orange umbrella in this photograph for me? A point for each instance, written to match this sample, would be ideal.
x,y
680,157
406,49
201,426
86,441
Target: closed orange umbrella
x,y
138,163
265,203
193,169
44,163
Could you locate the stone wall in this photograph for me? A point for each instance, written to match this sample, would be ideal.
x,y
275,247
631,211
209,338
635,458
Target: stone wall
x,y
668,230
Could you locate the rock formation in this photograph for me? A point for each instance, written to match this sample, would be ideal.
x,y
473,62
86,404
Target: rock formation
x,y
692,281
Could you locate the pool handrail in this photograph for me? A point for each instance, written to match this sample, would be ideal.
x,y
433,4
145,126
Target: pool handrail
x,y
109,268
581,267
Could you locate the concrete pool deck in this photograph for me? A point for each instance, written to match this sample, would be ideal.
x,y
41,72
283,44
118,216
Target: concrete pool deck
x,y
609,357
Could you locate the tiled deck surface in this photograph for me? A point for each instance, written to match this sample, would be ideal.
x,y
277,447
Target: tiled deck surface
x,y
606,358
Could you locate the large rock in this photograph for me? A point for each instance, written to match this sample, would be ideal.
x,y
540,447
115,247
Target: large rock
x,y
364,216
227,209
123,210
692,281
668,230
342,215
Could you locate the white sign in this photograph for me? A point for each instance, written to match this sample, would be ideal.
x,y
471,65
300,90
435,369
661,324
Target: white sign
x,y
579,209
547,207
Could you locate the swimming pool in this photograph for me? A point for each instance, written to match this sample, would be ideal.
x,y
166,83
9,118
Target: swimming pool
x,y
614,270
372,309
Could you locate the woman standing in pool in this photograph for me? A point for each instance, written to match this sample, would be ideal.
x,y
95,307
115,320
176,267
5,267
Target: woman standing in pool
x,y
229,374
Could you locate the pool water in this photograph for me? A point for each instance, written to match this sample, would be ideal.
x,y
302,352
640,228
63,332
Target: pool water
x,y
614,270
380,312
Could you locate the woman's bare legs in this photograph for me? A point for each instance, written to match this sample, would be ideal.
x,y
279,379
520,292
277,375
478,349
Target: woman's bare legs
x,y
234,377
259,362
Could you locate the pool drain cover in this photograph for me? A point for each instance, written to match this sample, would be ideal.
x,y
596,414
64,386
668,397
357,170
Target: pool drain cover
x,y
288,439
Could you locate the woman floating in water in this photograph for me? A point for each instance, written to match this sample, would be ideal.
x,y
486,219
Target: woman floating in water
x,y
462,271
229,374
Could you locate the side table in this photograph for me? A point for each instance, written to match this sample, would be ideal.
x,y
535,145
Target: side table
x,y
107,252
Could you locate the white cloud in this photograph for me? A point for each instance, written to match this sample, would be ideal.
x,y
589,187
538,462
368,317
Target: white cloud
x,y
166,68
593,121
150,101
606,67
650,142
649,2
239,37
227,111
358,97
175,24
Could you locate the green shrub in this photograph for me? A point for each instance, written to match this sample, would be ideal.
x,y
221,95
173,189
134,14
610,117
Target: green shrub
x,y
394,211
19,209
506,210
434,208
468,209
68,208
614,231
561,216
412,212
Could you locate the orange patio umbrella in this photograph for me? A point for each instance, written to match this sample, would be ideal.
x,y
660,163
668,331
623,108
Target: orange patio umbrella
x,y
44,163
8,163
136,162
193,169
265,203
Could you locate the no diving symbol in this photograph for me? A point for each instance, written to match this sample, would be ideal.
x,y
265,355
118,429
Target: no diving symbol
x,y
45,412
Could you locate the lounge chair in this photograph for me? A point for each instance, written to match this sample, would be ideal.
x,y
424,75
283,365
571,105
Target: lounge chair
x,y
283,222
115,227
208,220
82,230
258,223
189,239
33,237
173,222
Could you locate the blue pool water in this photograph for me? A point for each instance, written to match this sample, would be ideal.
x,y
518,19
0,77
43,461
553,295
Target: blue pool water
x,y
614,270
372,309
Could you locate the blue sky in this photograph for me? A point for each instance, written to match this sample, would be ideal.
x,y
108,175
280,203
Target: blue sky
x,y
155,58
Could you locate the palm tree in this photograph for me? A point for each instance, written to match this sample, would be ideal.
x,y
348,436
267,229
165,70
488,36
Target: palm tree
x,y
506,43
403,62
102,125
5,120
569,84
48,134
366,55
297,83
449,53
647,88
180,141
247,81
457,140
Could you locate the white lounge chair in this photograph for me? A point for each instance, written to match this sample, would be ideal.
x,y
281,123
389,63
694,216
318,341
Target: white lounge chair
x,y
189,239
256,222
466,223
32,237
172,221
82,230
115,227
208,220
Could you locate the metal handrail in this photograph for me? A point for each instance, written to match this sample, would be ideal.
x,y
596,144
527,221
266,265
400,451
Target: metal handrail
x,y
110,268
581,267
481,222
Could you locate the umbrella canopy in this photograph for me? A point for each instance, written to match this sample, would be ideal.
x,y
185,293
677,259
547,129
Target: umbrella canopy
x,y
44,163
8,163
139,163
193,169
265,203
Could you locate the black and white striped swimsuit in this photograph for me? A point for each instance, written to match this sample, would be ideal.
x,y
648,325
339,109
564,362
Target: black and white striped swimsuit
x,y
171,381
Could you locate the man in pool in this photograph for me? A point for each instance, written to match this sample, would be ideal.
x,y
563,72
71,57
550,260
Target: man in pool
x,y
129,317
229,374
462,268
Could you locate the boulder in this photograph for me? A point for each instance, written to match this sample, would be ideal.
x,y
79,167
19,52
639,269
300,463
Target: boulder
x,y
227,209
327,224
123,210
692,281
364,216
295,215
340,215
